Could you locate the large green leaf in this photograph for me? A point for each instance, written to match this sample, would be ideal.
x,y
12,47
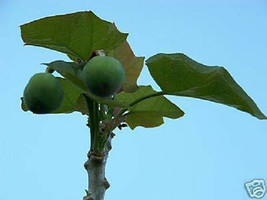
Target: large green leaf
x,y
72,72
76,34
132,65
179,75
150,111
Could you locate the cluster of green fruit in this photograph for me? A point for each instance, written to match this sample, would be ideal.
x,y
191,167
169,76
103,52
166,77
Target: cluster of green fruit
x,y
103,75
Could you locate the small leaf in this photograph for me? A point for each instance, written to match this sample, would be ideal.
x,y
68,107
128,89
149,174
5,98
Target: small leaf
x,y
76,34
148,112
177,74
72,72
132,65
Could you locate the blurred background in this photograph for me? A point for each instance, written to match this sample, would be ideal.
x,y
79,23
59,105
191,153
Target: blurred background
x,y
208,154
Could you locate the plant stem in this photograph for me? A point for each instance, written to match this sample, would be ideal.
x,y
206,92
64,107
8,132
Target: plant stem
x,y
93,121
100,146
95,167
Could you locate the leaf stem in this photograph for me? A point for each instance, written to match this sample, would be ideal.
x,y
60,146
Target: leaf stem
x,y
139,100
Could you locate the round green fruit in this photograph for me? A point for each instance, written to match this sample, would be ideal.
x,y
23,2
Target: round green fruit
x,y
43,94
103,75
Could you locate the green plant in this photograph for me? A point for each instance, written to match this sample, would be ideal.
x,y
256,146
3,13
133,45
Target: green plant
x,y
43,94
86,36
103,75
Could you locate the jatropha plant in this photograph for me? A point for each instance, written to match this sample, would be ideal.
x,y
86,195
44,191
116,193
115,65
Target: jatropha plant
x,y
100,81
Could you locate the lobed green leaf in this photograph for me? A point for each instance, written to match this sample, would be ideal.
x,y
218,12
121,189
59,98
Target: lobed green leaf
x,y
150,111
76,34
132,65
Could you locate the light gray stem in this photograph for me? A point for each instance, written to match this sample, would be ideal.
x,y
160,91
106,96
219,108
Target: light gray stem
x,y
96,174
95,167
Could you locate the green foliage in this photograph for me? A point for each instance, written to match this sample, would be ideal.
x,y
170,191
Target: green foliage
x,y
103,75
43,94
132,65
148,112
72,71
179,75
71,96
176,74
67,69
77,34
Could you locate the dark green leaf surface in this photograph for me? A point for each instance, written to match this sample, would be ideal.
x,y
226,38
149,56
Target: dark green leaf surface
x,y
179,75
76,34
148,112
132,65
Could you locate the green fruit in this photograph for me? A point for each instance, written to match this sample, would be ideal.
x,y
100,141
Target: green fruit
x,y
103,75
43,94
